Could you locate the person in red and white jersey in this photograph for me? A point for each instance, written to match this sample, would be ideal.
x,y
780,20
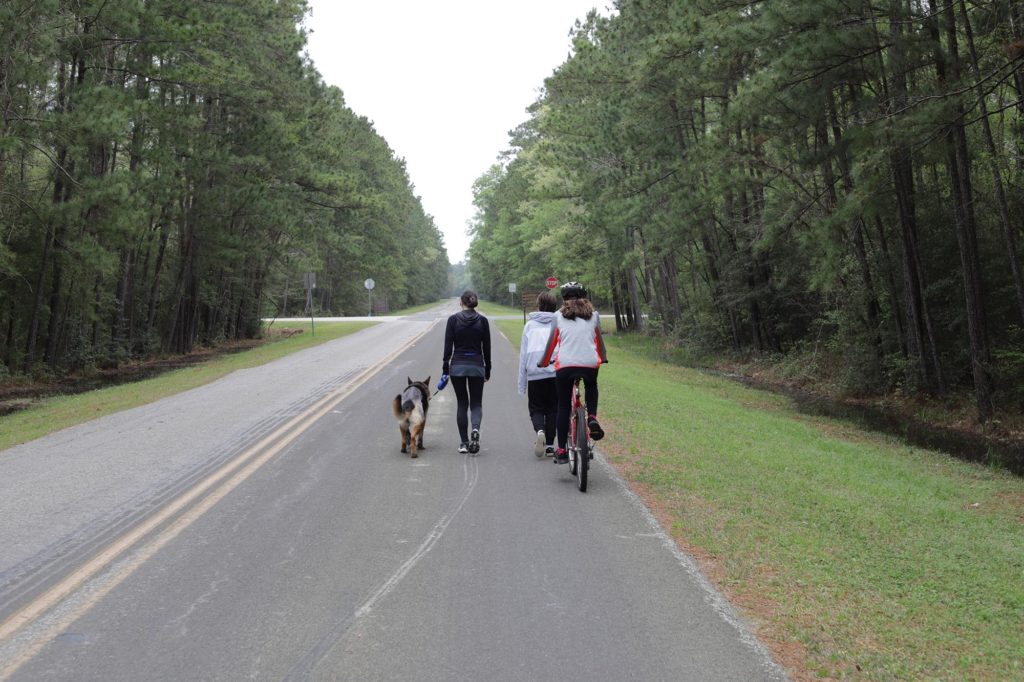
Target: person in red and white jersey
x,y
576,348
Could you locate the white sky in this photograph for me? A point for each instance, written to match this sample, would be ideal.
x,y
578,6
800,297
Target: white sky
x,y
443,82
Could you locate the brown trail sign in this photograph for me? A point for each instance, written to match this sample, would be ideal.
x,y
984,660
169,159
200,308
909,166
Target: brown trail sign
x,y
529,302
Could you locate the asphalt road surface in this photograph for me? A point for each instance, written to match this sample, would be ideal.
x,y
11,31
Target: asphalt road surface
x,y
266,527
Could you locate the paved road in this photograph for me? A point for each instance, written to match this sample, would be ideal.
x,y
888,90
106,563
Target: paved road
x,y
266,527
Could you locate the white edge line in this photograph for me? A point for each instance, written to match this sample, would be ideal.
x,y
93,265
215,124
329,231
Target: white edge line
x,y
712,596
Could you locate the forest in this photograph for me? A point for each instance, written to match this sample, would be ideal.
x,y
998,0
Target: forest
x,y
832,182
170,170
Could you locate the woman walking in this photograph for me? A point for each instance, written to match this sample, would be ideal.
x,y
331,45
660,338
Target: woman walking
x,y
538,383
467,360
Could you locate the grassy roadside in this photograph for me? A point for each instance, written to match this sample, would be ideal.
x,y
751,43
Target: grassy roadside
x,y
490,309
854,555
53,414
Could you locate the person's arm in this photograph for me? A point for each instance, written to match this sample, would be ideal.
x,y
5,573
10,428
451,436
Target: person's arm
x,y
602,352
552,344
449,344
486,344
523,348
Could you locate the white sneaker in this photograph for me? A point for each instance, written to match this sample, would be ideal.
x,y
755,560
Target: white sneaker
x,y
463,449
538,445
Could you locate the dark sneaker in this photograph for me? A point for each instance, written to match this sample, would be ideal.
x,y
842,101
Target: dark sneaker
x,y
474,441
538,444
463,449
549,451
561,456
596,432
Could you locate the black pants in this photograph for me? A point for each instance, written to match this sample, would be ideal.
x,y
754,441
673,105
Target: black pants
x,y
565,377
542,398
469,394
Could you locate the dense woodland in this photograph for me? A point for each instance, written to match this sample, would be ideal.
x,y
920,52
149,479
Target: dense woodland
x,y
833,181
169,170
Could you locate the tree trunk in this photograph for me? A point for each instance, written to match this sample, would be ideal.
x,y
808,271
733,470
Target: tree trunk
x,y
9,339
121,331
1017,31
633,287
918,320
627,307
1009,235
894,290
615,303
966,232
871,305
653,289
59,195
37,307
53,326
177,337
154,287
118,330
670,280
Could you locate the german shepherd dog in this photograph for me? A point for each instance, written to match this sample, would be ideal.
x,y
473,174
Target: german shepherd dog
x,y
410,408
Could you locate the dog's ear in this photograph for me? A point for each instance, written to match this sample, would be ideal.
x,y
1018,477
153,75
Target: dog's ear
x,y
427,382
409,380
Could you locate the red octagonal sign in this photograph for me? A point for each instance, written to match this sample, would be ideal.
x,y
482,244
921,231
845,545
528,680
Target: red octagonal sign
x,y
552,282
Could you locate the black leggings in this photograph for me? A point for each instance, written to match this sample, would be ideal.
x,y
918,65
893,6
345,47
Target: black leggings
x,y
565,377
469,393
542,395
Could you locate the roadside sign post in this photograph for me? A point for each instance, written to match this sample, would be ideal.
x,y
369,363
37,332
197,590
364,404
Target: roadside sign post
x,y
528,299
512,292
369,284
310,280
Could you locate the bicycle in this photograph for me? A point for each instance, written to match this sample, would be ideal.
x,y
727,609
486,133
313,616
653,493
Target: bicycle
x,y
579,447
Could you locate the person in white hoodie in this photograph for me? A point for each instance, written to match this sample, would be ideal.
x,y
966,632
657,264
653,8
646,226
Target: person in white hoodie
x,y
576,347
538,383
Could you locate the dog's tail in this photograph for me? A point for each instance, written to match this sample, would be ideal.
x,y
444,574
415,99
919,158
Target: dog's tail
x,y
402,408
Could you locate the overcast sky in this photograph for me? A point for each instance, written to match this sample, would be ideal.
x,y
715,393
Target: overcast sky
x,y
443,82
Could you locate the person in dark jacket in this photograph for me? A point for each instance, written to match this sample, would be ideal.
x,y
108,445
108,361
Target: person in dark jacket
x,y
467,360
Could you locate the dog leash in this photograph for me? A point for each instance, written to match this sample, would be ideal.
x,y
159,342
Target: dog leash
x,y
440,385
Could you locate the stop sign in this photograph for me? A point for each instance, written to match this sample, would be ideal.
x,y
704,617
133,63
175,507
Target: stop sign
x,y
551,282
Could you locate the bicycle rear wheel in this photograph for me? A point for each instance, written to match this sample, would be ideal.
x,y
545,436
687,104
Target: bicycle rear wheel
x,y
581,444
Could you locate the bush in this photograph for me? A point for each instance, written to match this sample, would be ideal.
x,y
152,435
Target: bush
x,y
1009,369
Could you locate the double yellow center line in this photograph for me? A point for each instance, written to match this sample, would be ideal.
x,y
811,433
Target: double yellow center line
x,y
187,507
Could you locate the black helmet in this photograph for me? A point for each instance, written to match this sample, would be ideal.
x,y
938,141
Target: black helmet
x,y
573,290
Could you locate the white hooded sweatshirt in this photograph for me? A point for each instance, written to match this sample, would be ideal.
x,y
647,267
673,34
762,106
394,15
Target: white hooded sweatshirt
x,y
531,349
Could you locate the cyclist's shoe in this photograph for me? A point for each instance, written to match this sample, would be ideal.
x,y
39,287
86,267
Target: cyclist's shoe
x,y
538,445
549,450
463,449
561,456
474,441
596,432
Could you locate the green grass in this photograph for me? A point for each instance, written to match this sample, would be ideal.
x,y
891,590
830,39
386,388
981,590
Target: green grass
x,y
490,309
53,414
415,309
394,313
879,560
856,556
